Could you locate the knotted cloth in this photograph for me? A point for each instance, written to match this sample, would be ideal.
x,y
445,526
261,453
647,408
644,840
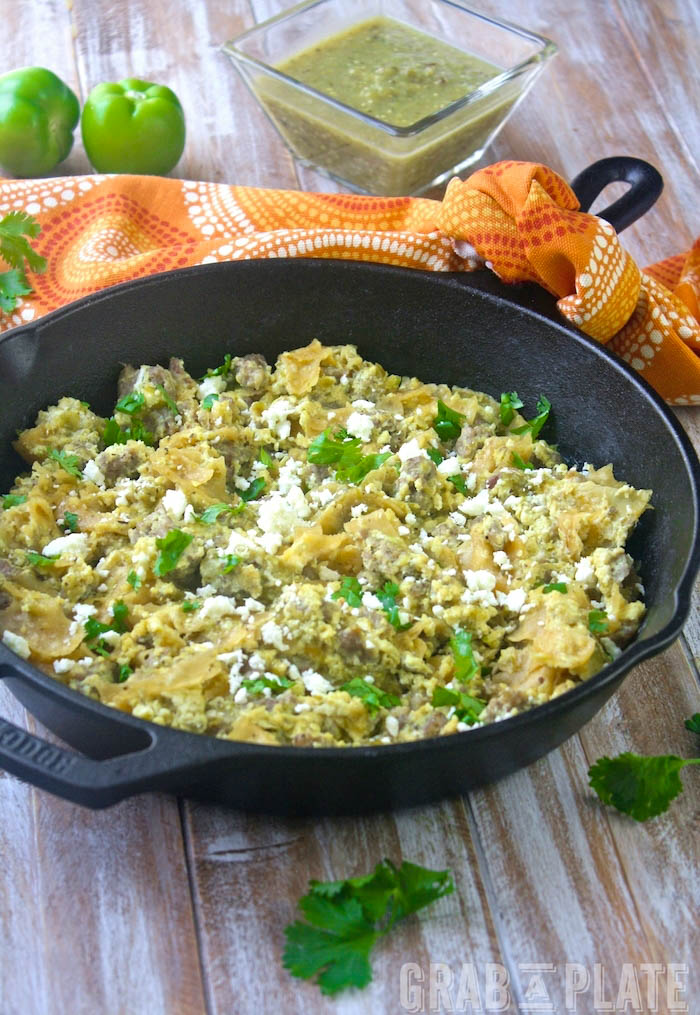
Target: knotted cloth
x,y
519,219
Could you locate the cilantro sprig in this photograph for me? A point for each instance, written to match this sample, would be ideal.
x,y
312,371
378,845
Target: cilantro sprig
x,y
350,590
131,403
597,622
510,403
208,400
94,629
387,597
533,426
39,560
70,521
115,434
372,696
171,548
520,463
555,587
257,685
13,499
448,422
16,229
346,918
69,463
344,451
467,707
211,514
220,371
253,491
638,785
466,666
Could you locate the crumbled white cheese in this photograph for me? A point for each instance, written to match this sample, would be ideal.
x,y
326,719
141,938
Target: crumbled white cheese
x,y
204,591
276,416
584,571
473,506
449,467
362,403
410,518
392,725
81,611
111,637
481,579
315,683
303,706
74,545
370,601
93,472
288,475
404,530
241,696
216,607
175,503
190,515
64,665
282,515
240,483
358,509
272,634
359,425
515,600
212,386
17,643
411,449
501,558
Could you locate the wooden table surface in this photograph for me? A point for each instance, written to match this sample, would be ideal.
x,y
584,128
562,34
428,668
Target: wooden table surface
x,y
160,906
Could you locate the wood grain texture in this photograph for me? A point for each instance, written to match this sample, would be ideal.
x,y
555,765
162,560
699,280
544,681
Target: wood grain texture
x,y
150,907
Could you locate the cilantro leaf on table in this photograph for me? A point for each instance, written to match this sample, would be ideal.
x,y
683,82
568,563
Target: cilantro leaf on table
x,y
510,403
693,724
533,426
448,422
350,590
171,548
346,918
18,253
372,697
640,786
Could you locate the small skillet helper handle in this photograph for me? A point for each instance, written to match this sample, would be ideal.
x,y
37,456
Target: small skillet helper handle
x,y
87,781
646,184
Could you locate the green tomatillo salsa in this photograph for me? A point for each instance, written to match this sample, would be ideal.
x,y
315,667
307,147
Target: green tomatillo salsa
x,y
389,71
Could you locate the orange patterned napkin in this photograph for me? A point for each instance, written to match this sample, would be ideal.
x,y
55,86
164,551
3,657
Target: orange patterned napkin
x,y
518,218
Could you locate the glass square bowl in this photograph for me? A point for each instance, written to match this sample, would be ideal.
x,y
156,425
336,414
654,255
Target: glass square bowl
x,y
356,148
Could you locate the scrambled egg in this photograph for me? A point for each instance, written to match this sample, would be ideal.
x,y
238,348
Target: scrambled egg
x,y
316,554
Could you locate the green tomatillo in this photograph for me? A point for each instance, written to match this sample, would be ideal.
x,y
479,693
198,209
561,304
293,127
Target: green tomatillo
x,y
133,126
38,114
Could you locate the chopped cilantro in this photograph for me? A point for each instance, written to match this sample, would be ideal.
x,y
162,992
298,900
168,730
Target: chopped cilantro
x,y
124,673
131,403
231,561
133,580
114,434
266,458
467,708
434,455
94,629
555,587
533,426
520,464
466,665
346,918
211,514
70,463
70,521
168,400
13,499
190,605
387,597
222,371
510,403
120,611
39,560
254,490
372,697
350,590
171,548
209,400
459,483
642,787
344,452
257,685
597,622
448,422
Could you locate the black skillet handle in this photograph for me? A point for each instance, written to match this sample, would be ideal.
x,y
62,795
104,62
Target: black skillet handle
x,y
646,184
87,781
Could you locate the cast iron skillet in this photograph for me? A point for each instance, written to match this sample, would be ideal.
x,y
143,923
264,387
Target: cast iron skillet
x,y
465,329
